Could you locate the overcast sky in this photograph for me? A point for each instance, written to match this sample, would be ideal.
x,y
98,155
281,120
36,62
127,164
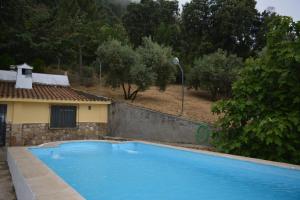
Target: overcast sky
x,y
283,7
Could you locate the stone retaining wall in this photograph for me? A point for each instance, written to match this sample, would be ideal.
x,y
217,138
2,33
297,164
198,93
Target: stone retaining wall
x,y
129,121
39,133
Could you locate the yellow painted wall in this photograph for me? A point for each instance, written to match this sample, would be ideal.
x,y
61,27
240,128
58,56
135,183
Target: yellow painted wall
x,y
28,112
97,113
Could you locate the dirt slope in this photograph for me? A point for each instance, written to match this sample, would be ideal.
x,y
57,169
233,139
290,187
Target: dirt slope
x,y
196,106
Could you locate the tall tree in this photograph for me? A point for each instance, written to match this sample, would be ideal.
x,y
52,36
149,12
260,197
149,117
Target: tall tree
x,y
196,24
234,25
24,25
167,32
263,27
208,25
54,30
142,19
79,24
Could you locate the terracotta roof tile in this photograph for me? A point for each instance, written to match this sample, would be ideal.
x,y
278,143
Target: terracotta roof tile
x,y
47,92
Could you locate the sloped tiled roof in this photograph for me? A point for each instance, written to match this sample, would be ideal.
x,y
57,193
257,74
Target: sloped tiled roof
x,y
46,92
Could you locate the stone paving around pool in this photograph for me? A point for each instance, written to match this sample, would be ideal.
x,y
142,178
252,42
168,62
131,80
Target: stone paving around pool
x,y
6,187
34,180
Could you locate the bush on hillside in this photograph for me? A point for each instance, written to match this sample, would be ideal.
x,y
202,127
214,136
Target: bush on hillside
x,y
215,73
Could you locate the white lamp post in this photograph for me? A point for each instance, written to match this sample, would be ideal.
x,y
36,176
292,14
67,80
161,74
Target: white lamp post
x,y
176,62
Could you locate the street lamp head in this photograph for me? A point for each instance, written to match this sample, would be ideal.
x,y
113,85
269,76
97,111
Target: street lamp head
x,y
175,61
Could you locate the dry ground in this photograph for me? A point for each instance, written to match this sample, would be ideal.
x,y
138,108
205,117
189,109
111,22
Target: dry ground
x,y
197,105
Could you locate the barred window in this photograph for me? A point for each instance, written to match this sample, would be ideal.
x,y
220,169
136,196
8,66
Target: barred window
x,y
63,117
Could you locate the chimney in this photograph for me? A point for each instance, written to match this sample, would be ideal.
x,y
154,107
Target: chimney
x,y
24,76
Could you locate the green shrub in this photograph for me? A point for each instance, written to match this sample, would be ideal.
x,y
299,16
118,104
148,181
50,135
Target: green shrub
x,y
263,118
215,73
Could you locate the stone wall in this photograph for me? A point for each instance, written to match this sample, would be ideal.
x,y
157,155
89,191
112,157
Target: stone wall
x,y
129,121
39,133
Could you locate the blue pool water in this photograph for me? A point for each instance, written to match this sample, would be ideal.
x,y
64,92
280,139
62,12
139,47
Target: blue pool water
x,y
138,171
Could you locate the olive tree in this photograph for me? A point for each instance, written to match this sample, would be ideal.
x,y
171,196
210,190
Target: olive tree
x,y
124,68
157,59
136,71
215,73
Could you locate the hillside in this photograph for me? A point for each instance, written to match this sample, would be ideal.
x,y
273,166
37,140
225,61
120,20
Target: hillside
x,y
196,107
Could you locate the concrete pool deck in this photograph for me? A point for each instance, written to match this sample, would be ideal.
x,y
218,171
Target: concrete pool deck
x,y
34,180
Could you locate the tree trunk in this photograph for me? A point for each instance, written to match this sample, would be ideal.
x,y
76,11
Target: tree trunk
x,y
128,91
58,62
100,73
133,95
124,91
80,59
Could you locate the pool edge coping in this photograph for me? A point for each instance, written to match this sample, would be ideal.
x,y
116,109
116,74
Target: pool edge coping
x,y
26,178
35,180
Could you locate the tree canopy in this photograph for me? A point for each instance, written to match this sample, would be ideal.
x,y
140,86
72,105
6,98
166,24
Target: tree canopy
x,y
143,19
136,71
215,73
263,117
68,32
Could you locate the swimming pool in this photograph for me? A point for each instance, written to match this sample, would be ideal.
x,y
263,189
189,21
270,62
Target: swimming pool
x,y
139,171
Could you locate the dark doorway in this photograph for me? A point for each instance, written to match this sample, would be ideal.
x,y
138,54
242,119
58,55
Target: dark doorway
x,y
3,110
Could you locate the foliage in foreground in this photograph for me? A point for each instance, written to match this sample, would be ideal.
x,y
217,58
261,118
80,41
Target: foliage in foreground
x,y
136,71
215,73
263,117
